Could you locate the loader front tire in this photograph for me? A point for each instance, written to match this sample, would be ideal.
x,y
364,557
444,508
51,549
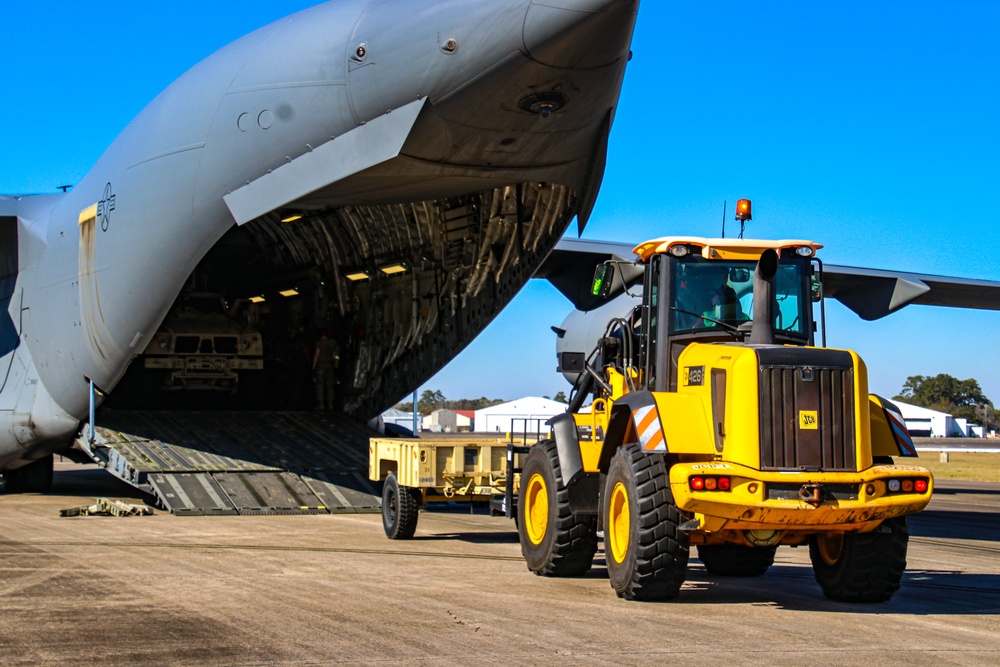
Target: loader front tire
x,y
400,509
646,552
555,542
866,567
736,560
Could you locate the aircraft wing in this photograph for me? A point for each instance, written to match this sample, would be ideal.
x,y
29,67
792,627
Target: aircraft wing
x,y
875,293
871,293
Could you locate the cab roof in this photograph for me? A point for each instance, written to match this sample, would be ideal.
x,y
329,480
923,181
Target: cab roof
x,y
750,249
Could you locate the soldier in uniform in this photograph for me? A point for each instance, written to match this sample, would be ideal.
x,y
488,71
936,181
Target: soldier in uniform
x,y
325,362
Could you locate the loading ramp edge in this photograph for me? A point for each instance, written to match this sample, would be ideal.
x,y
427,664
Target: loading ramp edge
x,y
184,485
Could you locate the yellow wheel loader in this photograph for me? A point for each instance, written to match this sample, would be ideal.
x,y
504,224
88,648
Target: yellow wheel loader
x,y
715,422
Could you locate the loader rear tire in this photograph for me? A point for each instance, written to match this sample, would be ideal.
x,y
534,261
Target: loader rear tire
x,y
400,509
736,560
36,477
555,542
646,552
864,567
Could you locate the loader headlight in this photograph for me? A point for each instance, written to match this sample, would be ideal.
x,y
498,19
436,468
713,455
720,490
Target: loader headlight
x,y
804,251
679,251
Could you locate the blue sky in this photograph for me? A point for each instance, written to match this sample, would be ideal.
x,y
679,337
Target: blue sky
x,y
868,127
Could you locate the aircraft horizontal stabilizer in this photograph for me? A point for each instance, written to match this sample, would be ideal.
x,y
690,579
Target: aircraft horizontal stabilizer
x,y
875,293
364,147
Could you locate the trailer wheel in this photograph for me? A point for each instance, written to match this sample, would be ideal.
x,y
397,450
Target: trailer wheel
x,y
861,567
400,509
555,542
36,477
646,552
736,560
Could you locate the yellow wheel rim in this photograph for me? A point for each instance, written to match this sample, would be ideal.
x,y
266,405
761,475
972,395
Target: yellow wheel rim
x,y
536,511
619,523
830,547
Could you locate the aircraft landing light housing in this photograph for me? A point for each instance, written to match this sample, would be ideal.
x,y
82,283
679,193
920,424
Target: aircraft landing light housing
x,y
544,104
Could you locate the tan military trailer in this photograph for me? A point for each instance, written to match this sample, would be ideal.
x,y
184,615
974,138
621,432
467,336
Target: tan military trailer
x,y
421,471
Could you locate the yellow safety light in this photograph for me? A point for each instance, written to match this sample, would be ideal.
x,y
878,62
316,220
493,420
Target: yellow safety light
x,y
393,269
744,210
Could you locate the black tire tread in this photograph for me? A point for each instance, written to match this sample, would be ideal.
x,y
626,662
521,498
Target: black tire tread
x,y
663,549
571,551
407,511
871,565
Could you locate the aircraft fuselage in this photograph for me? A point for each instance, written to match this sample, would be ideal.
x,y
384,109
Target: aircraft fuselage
x,y
99,267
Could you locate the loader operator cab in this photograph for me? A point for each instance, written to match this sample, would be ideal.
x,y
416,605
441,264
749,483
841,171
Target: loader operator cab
x,y
702,290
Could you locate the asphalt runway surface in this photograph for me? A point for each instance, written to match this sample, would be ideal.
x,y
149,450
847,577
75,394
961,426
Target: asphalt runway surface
x,y
332,590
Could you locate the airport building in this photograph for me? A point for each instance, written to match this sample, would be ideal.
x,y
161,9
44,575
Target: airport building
x,y
449,421
399,418
524,415
927,423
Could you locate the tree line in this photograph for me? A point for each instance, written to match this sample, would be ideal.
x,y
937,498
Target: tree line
x,y
944,393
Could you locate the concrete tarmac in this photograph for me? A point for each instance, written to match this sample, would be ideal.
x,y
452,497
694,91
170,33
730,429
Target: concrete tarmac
x,y
332,590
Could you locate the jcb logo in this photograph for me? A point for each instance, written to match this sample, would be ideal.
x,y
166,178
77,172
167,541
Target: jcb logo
x,y
808,419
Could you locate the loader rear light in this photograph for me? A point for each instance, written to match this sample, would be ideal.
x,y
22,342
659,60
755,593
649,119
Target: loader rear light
x,y
710,483
908,485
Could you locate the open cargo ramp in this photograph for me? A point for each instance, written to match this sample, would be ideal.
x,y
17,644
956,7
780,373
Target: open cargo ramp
x,y
205,463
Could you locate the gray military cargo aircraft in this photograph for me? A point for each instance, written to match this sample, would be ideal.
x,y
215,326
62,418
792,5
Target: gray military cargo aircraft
x,y
402,177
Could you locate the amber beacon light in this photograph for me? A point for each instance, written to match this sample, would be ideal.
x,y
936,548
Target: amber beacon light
x,y
744,210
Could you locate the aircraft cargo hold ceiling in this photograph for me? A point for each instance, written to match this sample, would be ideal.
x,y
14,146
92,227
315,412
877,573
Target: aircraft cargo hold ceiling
x,y
401,288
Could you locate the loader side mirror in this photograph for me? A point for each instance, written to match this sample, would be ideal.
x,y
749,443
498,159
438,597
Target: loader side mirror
x,y
603,278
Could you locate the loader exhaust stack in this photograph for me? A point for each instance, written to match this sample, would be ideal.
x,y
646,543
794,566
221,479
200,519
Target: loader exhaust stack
x,y
763,299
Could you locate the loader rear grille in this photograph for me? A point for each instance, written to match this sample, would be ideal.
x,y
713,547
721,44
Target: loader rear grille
x,y
807,410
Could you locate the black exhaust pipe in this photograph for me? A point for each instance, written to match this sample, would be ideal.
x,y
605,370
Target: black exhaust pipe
x,y
764,299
